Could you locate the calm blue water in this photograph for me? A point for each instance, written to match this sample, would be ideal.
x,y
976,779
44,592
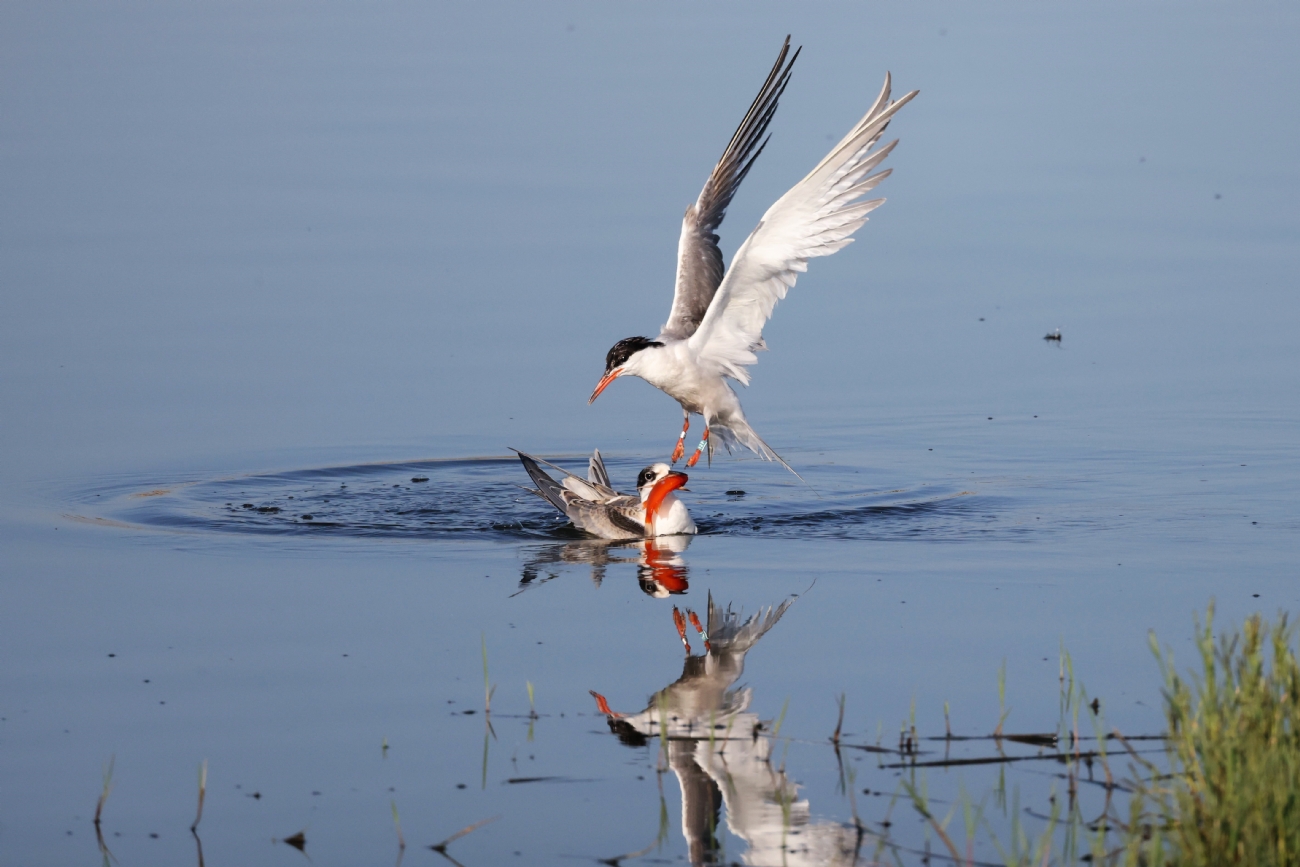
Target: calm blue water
x,y
316,252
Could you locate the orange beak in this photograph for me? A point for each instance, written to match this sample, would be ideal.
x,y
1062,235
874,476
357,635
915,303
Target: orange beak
x,y
662,488
604,383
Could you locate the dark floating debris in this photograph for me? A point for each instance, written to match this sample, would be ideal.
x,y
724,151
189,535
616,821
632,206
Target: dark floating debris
x,y
268,510
736,493
1054,336
297,841
418,479
1036,740
306,517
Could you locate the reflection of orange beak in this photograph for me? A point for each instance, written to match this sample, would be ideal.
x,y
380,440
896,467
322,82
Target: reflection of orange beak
x,y
663,572
604,382
662,488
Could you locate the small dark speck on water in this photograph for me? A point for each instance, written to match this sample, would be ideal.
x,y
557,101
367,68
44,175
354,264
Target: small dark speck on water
x,y
736,493
153,836
460,785
1253,522
1218,195
419,478
306,517
114,654
981,319
1256,595
469,712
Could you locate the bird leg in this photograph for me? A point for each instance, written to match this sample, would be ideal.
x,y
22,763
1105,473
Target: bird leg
x,y
680,622
680,448
704,442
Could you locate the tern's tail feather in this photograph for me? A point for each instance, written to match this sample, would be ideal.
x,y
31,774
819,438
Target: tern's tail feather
x,y
737,432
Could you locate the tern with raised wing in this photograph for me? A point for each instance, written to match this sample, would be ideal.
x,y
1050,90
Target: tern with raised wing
x,y
716,322
594,506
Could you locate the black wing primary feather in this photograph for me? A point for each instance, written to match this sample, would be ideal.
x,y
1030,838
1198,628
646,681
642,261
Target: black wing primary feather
x,y
547,487
699,260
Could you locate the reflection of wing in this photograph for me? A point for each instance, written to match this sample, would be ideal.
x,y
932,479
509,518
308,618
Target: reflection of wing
x,y
816,217
699,261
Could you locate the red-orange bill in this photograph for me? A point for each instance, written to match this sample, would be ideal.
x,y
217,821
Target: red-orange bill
x,y
604,381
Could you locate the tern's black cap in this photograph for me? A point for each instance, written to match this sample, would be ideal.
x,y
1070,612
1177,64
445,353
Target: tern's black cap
x,y
620,352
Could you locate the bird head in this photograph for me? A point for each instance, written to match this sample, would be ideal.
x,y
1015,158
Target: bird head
x,y
654,484
617,361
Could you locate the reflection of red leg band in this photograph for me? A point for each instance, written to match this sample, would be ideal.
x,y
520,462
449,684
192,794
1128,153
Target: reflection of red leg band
x,y
695,621
680,622
696,457
601,704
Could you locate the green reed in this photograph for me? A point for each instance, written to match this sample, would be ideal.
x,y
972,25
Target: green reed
x,y
1228,792
1233,794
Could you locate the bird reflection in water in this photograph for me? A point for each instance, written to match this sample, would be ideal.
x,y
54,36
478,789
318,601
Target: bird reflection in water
x,y
721,754
661,570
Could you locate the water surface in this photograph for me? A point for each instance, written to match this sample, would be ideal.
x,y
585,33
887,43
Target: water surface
x,y
269,263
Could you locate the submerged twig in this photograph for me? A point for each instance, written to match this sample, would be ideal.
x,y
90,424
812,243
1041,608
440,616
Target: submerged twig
x,y
918,801
108,787
618,859
488,689
203,790
839,724
397,823
468,829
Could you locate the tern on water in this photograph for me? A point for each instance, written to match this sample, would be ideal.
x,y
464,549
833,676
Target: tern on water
x,y
593,505
716,322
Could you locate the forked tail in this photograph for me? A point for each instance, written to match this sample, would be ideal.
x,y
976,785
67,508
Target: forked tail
x,y
737,432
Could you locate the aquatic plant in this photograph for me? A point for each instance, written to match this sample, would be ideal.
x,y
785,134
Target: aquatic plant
x,y
1233,745
108,787
1228,793
203,791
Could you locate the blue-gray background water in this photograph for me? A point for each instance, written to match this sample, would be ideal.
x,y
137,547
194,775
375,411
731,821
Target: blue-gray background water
x,y
317,251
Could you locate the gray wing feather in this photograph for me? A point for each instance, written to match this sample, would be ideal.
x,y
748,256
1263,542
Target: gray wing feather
x,y
596,471
609,521
547,488
611,516
699,261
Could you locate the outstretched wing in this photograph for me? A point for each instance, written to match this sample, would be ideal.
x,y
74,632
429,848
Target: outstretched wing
x,y
816,217
699,261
